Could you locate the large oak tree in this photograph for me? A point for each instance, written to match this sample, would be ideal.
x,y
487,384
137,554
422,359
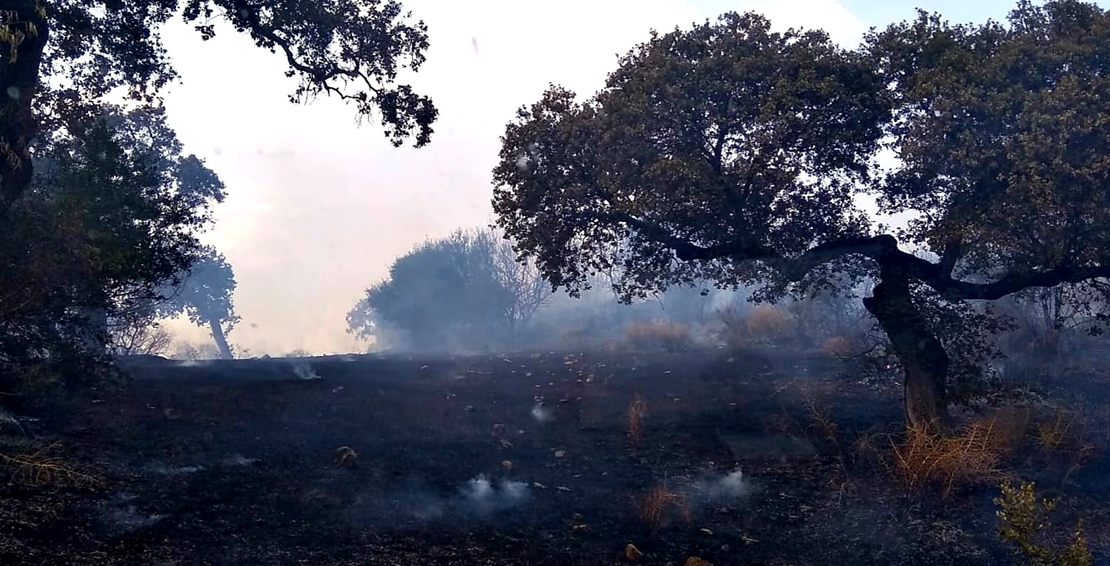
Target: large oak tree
x,y
733,153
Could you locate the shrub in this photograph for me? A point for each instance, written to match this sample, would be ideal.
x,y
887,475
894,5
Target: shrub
x,y
969,457
841,347
767,323
1024,519
658,334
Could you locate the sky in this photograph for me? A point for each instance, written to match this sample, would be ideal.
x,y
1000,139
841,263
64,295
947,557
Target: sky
x,y
318,206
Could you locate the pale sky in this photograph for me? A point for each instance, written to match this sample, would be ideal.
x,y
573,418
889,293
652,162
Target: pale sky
x,y
318,207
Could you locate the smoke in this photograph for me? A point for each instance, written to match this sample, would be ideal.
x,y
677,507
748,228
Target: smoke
x,y
481,497
477,498
541,414
164,470
305,371
714,489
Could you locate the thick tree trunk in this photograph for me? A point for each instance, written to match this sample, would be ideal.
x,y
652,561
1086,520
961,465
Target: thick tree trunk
x,y
19,78
221,340
922,356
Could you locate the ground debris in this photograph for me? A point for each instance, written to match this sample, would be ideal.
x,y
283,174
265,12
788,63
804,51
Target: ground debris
x,y
632,553
696,561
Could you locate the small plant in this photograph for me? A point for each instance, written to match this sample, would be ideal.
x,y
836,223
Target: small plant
x,y
656,507
637,410
1024,518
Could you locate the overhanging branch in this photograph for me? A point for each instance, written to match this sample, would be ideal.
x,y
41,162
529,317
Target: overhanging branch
x,y
883,249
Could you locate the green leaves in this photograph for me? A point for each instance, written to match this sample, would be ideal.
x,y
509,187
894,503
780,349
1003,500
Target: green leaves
x,y
354,50
1004,132
726,135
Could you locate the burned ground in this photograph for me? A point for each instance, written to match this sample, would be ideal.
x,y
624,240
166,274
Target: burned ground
x,y
515,459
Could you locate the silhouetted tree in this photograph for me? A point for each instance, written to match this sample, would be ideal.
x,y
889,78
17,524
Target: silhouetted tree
x,y
739,151
110,220
205,296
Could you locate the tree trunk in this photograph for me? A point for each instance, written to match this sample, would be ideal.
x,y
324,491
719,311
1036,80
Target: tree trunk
x,y
19,78
922,356
95,331
221,340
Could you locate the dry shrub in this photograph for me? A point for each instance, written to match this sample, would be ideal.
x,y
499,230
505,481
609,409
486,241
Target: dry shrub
x,y
660,504
969,457
38,469
1056,432
637,410
659,334
768,323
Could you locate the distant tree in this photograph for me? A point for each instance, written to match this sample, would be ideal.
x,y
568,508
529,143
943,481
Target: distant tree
x,y
195,352
466,289
61,53
205,296
519,276
738,152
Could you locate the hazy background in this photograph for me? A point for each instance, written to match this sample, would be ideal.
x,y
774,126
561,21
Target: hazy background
x,y
318,208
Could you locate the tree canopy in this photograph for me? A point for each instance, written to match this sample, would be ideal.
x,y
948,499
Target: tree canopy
x,y
68,51
735,153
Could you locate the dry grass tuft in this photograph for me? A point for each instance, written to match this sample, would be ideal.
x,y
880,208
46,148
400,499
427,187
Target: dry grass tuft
x,y
659,334
768,322
820,417
637,410
969,457
658,506
38,469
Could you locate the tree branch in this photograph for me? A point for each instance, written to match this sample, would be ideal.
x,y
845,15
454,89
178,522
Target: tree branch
x,y
883,249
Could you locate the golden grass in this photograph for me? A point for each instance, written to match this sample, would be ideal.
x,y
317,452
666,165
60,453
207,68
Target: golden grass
x,y
663,334
38,469
656,507
634,422
769,322
971,456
